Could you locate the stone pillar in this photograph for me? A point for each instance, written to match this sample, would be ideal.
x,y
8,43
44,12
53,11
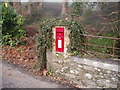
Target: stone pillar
x,y
65,54
55,59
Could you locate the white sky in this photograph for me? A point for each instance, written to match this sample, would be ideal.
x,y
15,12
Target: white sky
x,y
68,0
44,0
71,0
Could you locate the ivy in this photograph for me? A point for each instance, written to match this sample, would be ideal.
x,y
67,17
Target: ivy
x,y
45,38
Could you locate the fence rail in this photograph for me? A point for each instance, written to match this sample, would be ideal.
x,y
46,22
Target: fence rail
x,y
98,46
100,36
114,49
101,53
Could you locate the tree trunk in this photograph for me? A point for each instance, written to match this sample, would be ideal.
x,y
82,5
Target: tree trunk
x,y
41,56
29,9
42,60
64,8
40,5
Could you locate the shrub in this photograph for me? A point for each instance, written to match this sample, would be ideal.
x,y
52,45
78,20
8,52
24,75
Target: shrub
x,y
77,9
12,30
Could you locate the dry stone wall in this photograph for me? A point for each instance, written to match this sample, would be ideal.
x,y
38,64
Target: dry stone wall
x,y
88,73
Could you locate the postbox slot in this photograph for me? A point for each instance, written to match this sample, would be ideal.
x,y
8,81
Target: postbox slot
x,y
59,29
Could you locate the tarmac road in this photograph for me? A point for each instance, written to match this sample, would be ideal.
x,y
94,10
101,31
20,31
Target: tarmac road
x,y
14,76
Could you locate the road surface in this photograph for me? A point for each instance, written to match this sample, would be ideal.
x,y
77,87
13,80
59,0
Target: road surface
x,y
14,76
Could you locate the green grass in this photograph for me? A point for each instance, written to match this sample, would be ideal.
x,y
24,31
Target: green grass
x,y
102,42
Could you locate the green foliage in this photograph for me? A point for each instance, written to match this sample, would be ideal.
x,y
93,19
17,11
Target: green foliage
x,y
50,73
12,30
45,38
77,9
75,37
0,23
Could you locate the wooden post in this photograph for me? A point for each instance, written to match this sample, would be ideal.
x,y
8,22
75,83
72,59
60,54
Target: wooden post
x,y
113,47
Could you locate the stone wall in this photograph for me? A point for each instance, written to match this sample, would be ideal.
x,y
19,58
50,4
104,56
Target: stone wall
x,y
88,73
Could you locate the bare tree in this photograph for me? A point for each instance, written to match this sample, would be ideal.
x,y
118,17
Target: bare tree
x,y
40,5
29,9
34,6
16,4
64,8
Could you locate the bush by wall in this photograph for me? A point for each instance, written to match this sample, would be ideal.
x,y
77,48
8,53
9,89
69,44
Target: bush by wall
x,y
11,26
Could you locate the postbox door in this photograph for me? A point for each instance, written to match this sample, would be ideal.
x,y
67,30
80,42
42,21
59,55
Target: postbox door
x,y
59,39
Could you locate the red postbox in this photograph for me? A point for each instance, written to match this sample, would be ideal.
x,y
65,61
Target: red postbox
x,y
59,39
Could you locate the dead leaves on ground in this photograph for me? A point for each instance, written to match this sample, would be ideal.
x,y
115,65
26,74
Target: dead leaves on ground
x,y
23,55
